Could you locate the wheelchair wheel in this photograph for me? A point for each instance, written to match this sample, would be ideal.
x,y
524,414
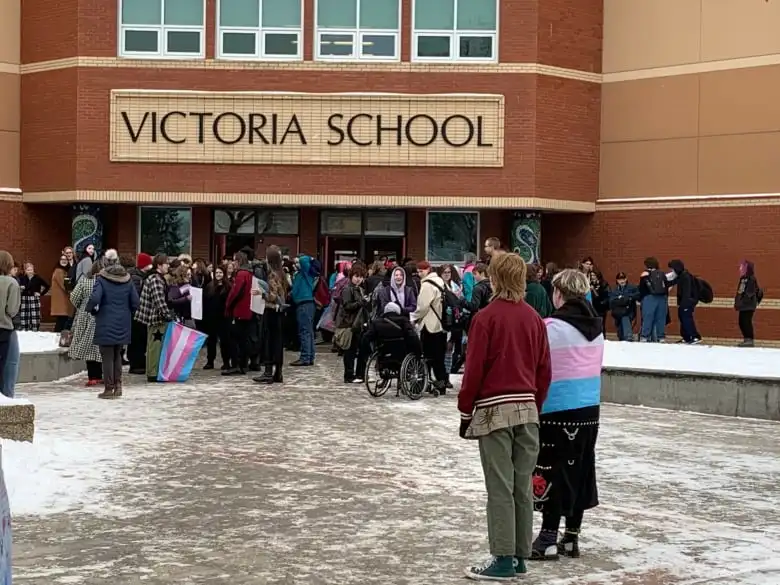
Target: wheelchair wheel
x,y
375,383
414,377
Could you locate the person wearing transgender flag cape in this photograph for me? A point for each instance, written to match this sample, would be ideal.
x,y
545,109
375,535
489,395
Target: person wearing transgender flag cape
x,y
564,481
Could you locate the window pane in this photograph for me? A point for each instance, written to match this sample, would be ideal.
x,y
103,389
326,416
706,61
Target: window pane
x,y
239,13
476,47
379,14
239,43
476,14
142,41
282,13
450,235
281,44
337,45
433,46
186,12
234,221
280,221
141,11
337,13
165,230
183,42
379,45
385,223
341,223
434,14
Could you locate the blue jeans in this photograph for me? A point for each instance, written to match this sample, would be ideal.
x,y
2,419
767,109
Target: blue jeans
x,y
625,331
688,329
11,368
654,308
304,314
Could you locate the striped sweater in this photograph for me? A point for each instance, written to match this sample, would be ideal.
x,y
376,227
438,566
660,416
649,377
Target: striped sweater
x,y
576,368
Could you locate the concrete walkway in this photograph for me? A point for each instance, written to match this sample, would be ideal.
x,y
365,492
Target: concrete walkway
x,y
225,481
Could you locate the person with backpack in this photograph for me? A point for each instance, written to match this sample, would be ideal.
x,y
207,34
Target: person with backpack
x,y
430,319
303,298
653,298
688,293
746,301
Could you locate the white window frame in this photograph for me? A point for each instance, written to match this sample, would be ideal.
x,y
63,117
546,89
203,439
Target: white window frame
x,y
459,261
162,31
260,33
357,35
138,224
454,36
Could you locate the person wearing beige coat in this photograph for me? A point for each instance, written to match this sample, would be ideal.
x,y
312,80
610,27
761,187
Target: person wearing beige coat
x,y
427,318
61,307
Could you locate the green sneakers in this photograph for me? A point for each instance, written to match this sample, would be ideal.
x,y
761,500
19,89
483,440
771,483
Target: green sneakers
x,y
496,569
519,565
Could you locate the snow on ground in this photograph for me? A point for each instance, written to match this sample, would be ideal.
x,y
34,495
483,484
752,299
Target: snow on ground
x,y
693,359
35,341
225,481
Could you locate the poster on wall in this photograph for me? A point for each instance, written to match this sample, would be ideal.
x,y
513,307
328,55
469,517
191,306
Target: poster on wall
x,y
526,236
86,228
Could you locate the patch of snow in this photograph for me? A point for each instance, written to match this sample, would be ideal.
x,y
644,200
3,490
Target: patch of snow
x,y
37,341
693,359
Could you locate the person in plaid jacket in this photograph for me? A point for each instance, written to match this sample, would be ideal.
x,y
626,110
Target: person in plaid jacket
x,y
155,314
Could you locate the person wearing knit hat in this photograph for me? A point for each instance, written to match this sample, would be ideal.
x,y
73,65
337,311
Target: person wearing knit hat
x,y
392,325
136,351
392,308
143,261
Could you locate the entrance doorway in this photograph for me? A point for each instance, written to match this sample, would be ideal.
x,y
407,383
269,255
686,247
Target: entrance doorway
x,y
387,248
339,249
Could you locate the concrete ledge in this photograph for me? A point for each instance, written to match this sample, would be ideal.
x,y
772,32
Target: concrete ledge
x,y
705,393
48,366
17,419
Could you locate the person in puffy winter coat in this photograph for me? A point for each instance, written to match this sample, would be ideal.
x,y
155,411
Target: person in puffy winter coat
x,y
622,305
113,301
687,299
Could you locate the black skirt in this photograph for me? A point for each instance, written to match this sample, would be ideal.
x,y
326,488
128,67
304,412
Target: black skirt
x,y
564,481
272,338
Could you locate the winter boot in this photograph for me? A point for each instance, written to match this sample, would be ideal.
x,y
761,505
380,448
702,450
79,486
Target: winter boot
x,y
569,545
209,366
545,547
108,393
747,343
494,569
278,378
118,390
266,377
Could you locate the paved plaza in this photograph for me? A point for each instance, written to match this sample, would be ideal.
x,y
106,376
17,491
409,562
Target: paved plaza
x,y
223,481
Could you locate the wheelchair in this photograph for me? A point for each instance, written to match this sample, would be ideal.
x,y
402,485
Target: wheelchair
x,y
390,361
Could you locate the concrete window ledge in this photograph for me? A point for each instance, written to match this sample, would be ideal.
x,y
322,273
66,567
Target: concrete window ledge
x,y
696,392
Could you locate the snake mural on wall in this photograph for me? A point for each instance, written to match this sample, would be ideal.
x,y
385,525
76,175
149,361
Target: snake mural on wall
x,y
526,236
86,227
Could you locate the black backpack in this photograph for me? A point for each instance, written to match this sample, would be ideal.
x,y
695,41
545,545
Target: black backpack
x,y
656,282
449,300
703,290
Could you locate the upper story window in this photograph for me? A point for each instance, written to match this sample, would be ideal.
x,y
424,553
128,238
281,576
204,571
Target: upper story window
x,y
171,29
455,30
349,30
260,29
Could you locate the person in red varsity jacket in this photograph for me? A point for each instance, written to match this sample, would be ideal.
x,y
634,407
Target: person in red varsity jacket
x,y
238,311
508,373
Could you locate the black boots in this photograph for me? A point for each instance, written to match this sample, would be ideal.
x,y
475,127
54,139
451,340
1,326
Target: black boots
x,y
271,375
569,545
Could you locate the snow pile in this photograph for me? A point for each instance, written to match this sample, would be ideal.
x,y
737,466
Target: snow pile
x,y
693,359
37,341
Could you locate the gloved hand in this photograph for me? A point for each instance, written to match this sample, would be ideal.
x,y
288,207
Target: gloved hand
x,y
464,426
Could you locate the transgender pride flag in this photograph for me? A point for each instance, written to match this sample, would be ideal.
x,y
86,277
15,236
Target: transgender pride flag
x,y
180,349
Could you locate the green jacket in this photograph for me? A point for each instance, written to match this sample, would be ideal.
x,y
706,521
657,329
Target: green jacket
x,y
536,296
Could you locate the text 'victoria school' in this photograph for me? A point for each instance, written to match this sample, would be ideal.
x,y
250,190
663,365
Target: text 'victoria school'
x,y
361,129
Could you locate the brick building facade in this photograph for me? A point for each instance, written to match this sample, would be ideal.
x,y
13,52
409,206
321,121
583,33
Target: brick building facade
x,y
142,114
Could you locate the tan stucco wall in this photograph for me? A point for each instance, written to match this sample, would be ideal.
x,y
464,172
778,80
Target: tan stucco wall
x,y
9,94
645,34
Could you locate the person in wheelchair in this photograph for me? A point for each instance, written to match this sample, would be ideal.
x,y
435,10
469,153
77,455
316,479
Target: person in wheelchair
x,y
392,331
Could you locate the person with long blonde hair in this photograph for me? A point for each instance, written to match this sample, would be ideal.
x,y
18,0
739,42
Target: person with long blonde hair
x,y
505,384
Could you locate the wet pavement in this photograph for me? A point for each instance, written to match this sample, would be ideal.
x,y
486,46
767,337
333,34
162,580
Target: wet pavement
x,y
221,480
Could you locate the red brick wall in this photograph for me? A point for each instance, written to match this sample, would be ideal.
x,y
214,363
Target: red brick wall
x,y
566,33
570,33
35,233
566,112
